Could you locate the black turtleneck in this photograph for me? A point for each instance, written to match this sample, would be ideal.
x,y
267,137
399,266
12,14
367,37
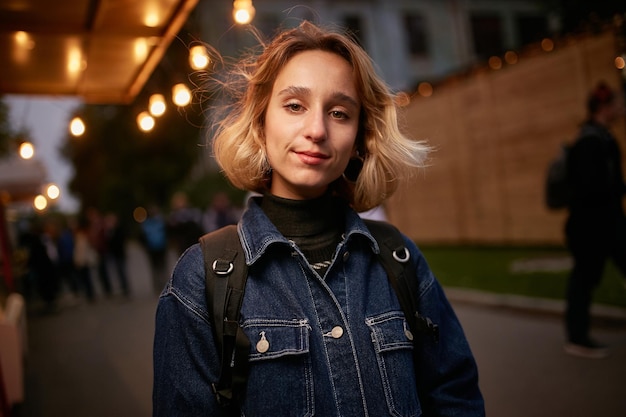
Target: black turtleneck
x,y
314,225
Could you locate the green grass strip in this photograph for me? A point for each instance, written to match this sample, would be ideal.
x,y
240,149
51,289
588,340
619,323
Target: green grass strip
x,y
534,272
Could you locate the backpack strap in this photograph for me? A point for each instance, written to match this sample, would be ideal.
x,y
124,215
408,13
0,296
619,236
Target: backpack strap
x,y
395,258
226,274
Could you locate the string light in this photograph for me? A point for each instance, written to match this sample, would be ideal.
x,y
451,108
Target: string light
x,y
53,192
425,89
27,150
510,57
157,105
40,202
145,121
140,214
181,96
495,63
77,127
243,11
547,45
198,57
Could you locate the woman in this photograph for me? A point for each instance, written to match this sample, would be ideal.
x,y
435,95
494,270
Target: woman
x,y
315,133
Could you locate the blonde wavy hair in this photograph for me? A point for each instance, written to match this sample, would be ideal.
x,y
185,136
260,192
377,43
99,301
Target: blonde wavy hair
x,y
239,142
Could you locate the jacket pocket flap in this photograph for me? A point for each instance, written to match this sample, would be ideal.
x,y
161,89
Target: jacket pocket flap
x,y
390,331
275,338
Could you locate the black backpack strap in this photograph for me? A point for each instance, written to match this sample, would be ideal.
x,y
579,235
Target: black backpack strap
x,y
395,258
226,274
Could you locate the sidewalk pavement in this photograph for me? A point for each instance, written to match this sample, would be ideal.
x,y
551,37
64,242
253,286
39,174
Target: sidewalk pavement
x,y
537,305
93,360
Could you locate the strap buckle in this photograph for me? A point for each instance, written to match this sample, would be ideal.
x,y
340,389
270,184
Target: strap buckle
x,y
401,255
222,396
222,267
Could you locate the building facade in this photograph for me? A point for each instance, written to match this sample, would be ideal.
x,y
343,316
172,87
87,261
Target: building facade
x,y
409,40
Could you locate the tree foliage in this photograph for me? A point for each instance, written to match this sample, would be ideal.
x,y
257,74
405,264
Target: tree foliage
x,y
118,167
6,132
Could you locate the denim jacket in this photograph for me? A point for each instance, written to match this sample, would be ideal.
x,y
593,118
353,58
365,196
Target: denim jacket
x,y
336,345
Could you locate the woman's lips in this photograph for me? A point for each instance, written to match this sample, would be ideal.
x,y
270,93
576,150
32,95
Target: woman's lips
x,y
312,158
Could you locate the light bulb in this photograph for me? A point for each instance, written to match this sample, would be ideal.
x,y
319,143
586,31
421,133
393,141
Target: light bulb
x,y
157,105
77,127
145,121
181,96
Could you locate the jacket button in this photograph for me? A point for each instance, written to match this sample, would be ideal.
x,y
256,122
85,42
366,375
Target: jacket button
x,y
408,334
336,332
346,255
262,345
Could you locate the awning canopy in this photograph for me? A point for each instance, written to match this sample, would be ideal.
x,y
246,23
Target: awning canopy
x,y
102,51
21,179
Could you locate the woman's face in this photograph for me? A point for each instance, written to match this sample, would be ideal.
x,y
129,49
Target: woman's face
x,y
311,124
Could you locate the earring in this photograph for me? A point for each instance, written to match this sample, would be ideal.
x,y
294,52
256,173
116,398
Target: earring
x,y
353,169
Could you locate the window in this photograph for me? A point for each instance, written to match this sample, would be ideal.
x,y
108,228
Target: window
x,y
531,29
487,34
416,33
353,24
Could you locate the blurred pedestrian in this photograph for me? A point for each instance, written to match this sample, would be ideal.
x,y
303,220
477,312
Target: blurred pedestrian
x,y
116,237
183,223
98,241
43,263
65,247
596,227
220,213
154,238
85,257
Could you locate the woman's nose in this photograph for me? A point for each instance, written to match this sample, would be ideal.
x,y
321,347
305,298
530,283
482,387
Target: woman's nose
x,y
315,126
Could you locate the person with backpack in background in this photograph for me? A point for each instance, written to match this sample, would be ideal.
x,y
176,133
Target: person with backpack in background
x,y
595,229
313,129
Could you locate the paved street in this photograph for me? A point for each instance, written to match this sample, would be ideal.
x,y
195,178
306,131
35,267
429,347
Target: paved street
x,y
524,372
95,360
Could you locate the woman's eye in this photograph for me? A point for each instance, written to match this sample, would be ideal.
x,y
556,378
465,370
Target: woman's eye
x,y
293,107
336,114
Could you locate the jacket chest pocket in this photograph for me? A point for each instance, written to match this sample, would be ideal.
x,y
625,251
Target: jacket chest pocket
x,y
280,381
394,353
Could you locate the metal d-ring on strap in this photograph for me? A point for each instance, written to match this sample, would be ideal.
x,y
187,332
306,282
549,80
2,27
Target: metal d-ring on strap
x,y
401,255
221,271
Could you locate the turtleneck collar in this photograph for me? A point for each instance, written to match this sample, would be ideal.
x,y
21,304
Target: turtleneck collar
x,y
302,218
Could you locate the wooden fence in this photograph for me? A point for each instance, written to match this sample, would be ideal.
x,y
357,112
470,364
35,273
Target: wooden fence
x,y
495,132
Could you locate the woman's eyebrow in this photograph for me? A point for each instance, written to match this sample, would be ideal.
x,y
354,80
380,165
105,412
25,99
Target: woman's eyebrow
x,y
293,90
345,98
305,91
